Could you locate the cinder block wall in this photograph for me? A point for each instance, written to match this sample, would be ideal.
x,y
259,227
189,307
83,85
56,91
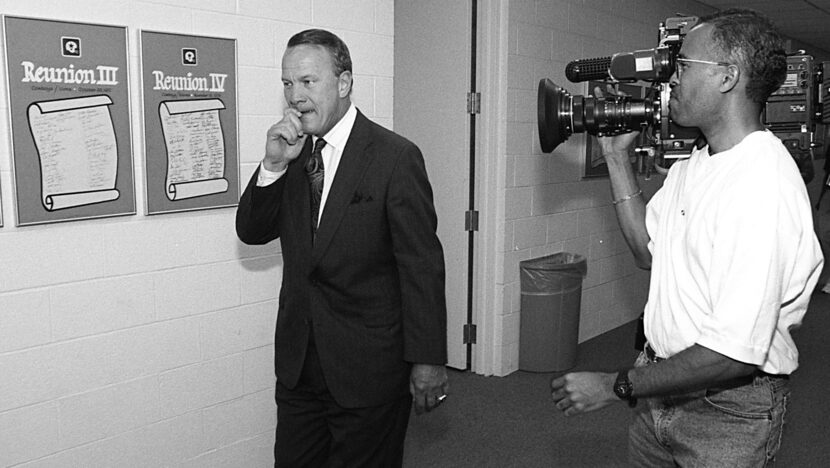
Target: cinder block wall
x,y
549,206
148,341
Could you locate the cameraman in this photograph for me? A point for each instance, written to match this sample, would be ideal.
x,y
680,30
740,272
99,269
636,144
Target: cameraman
x,y
730,242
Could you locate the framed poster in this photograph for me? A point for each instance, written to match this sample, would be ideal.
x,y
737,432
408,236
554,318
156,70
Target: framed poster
x,y
190,122
69,106
595,165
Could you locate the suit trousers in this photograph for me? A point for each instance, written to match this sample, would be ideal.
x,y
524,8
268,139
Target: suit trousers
x,y
314,431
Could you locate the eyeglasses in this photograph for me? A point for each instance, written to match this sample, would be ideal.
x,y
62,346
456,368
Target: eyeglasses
x,y
682,63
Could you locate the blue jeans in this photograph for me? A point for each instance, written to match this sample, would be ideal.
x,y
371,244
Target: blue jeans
x,y
738,425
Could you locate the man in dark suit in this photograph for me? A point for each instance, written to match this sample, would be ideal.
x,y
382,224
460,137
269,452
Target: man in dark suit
x,y
361,328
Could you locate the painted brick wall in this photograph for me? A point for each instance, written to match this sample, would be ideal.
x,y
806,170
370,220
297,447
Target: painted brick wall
x,y
549,206
148,341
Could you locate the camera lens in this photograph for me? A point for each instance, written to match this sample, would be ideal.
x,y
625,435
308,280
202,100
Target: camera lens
x,y
610,115
560,115
554,112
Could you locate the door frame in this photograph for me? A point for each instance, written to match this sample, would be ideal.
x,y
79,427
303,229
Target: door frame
x,y
492,68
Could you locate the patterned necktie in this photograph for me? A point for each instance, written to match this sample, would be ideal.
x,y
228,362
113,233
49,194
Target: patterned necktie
x,y
314,169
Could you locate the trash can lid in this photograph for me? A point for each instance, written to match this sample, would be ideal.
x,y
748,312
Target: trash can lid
x,y
555,273
557,262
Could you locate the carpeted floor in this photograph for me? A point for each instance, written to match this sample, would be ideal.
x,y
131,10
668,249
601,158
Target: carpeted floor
x,y
512,422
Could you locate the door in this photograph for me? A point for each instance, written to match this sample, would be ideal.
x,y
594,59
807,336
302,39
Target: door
x,y
433,44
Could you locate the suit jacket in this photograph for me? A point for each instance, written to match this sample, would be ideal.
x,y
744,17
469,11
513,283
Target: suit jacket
x,y
372,283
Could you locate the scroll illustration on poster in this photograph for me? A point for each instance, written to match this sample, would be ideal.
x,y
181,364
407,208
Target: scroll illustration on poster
x,y
190,122
70,120
62,131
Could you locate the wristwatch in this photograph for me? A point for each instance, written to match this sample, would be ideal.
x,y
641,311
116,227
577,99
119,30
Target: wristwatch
x,y
623,388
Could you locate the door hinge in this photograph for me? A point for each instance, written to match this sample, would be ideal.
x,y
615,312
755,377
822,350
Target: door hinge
x,y
471,220
473,103
469,333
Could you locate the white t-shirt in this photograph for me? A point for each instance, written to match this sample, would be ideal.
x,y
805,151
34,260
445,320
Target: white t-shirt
x,y
734,255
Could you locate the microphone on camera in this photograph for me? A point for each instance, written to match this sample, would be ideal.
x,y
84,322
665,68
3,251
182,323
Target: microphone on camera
x,y
588,69
647,65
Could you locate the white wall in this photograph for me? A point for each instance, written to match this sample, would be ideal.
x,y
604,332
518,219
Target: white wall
x,y
148,341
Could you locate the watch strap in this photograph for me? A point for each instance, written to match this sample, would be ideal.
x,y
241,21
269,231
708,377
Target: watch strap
x,y
624,389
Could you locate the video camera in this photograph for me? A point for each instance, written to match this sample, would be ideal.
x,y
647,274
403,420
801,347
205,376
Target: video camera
x,y
798,111
792,112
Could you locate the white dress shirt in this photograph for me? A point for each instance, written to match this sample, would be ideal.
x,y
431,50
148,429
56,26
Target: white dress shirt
x,y
336,139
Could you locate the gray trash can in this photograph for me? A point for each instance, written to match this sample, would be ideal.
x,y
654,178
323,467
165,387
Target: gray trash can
x,y
549,320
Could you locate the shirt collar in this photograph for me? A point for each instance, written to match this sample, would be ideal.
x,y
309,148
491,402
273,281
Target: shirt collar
x,y
339,134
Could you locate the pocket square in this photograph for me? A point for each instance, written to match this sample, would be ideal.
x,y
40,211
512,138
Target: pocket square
x,y
360,198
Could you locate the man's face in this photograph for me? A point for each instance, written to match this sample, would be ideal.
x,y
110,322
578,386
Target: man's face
x,y
694,86
311,87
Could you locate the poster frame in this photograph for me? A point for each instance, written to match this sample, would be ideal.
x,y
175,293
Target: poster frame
x,y
152,120
24,179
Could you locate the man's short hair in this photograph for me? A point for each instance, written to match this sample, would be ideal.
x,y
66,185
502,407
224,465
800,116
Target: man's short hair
x,y
750,40
328,40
